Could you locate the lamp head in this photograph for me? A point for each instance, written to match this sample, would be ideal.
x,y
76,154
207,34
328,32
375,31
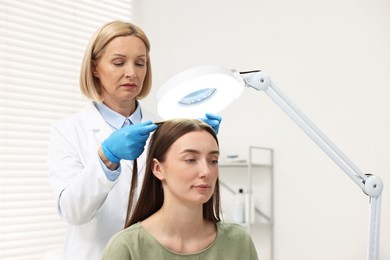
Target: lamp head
x,y
200,90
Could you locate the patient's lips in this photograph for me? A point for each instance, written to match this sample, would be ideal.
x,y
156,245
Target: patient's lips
x,y
202,187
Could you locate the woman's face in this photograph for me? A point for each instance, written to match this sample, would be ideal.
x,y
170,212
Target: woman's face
x,y
121,70
190,170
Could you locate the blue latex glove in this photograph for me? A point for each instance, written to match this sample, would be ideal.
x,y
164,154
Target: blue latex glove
x,y
212,120
128,142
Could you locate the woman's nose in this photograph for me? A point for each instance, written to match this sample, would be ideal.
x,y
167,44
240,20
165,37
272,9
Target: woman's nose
x,y
205,169
130,73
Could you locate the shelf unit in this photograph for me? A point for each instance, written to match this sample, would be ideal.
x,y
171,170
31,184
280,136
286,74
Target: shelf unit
x,y
258,185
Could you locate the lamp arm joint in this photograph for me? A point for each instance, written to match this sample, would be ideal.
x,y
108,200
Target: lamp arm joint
x,y
256,79
373,186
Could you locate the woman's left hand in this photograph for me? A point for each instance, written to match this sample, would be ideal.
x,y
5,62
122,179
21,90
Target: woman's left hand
x,y
212,120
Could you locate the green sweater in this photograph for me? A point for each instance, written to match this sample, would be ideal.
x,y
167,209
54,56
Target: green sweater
x,y
233,242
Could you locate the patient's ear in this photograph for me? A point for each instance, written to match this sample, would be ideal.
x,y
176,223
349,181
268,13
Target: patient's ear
x,y
158,169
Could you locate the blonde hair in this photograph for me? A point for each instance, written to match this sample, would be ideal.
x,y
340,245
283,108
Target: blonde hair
x,y
89,85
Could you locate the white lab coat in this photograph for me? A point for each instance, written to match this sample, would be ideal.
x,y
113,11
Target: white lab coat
x,y
94,207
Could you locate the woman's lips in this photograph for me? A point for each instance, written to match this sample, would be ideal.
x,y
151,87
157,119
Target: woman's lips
x,y
129,85
202,187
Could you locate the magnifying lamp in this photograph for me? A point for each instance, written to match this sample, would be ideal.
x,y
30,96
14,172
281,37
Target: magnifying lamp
x,y
210,88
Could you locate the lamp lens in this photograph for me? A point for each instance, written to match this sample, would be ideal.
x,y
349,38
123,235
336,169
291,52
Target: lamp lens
x,y
197,96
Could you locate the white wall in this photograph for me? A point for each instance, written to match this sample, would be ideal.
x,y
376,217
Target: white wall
x,y
332,58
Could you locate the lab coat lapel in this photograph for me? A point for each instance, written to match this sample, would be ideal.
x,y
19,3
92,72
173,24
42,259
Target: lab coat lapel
x,y
94,122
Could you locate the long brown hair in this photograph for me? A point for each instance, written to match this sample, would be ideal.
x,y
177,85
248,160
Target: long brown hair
x,y
151,197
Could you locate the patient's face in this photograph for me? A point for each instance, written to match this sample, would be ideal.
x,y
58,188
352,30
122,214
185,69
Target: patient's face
x,y
190,170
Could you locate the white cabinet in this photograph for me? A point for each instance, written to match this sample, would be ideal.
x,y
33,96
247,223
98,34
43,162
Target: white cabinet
x,y
255,177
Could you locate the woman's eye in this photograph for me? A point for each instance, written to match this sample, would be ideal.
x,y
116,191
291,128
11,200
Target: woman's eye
x,y
214,161
190,160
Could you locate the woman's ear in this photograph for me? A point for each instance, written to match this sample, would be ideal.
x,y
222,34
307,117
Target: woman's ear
x,y
93,69
158,169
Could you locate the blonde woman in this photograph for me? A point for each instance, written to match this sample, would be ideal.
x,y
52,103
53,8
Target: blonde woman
x,y
91,154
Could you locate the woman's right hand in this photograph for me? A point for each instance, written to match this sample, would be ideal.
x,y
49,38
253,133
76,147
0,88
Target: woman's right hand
x,y
128,142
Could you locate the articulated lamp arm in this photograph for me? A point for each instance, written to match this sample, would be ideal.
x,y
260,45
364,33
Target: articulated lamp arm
x,y
196,91
370,184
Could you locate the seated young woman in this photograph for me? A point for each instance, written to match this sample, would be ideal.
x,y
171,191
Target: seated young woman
x,y
177,215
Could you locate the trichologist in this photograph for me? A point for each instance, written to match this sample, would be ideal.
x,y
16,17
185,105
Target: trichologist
x,y
91,153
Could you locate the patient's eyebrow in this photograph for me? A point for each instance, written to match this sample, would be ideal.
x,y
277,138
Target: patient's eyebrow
x,y
216,152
